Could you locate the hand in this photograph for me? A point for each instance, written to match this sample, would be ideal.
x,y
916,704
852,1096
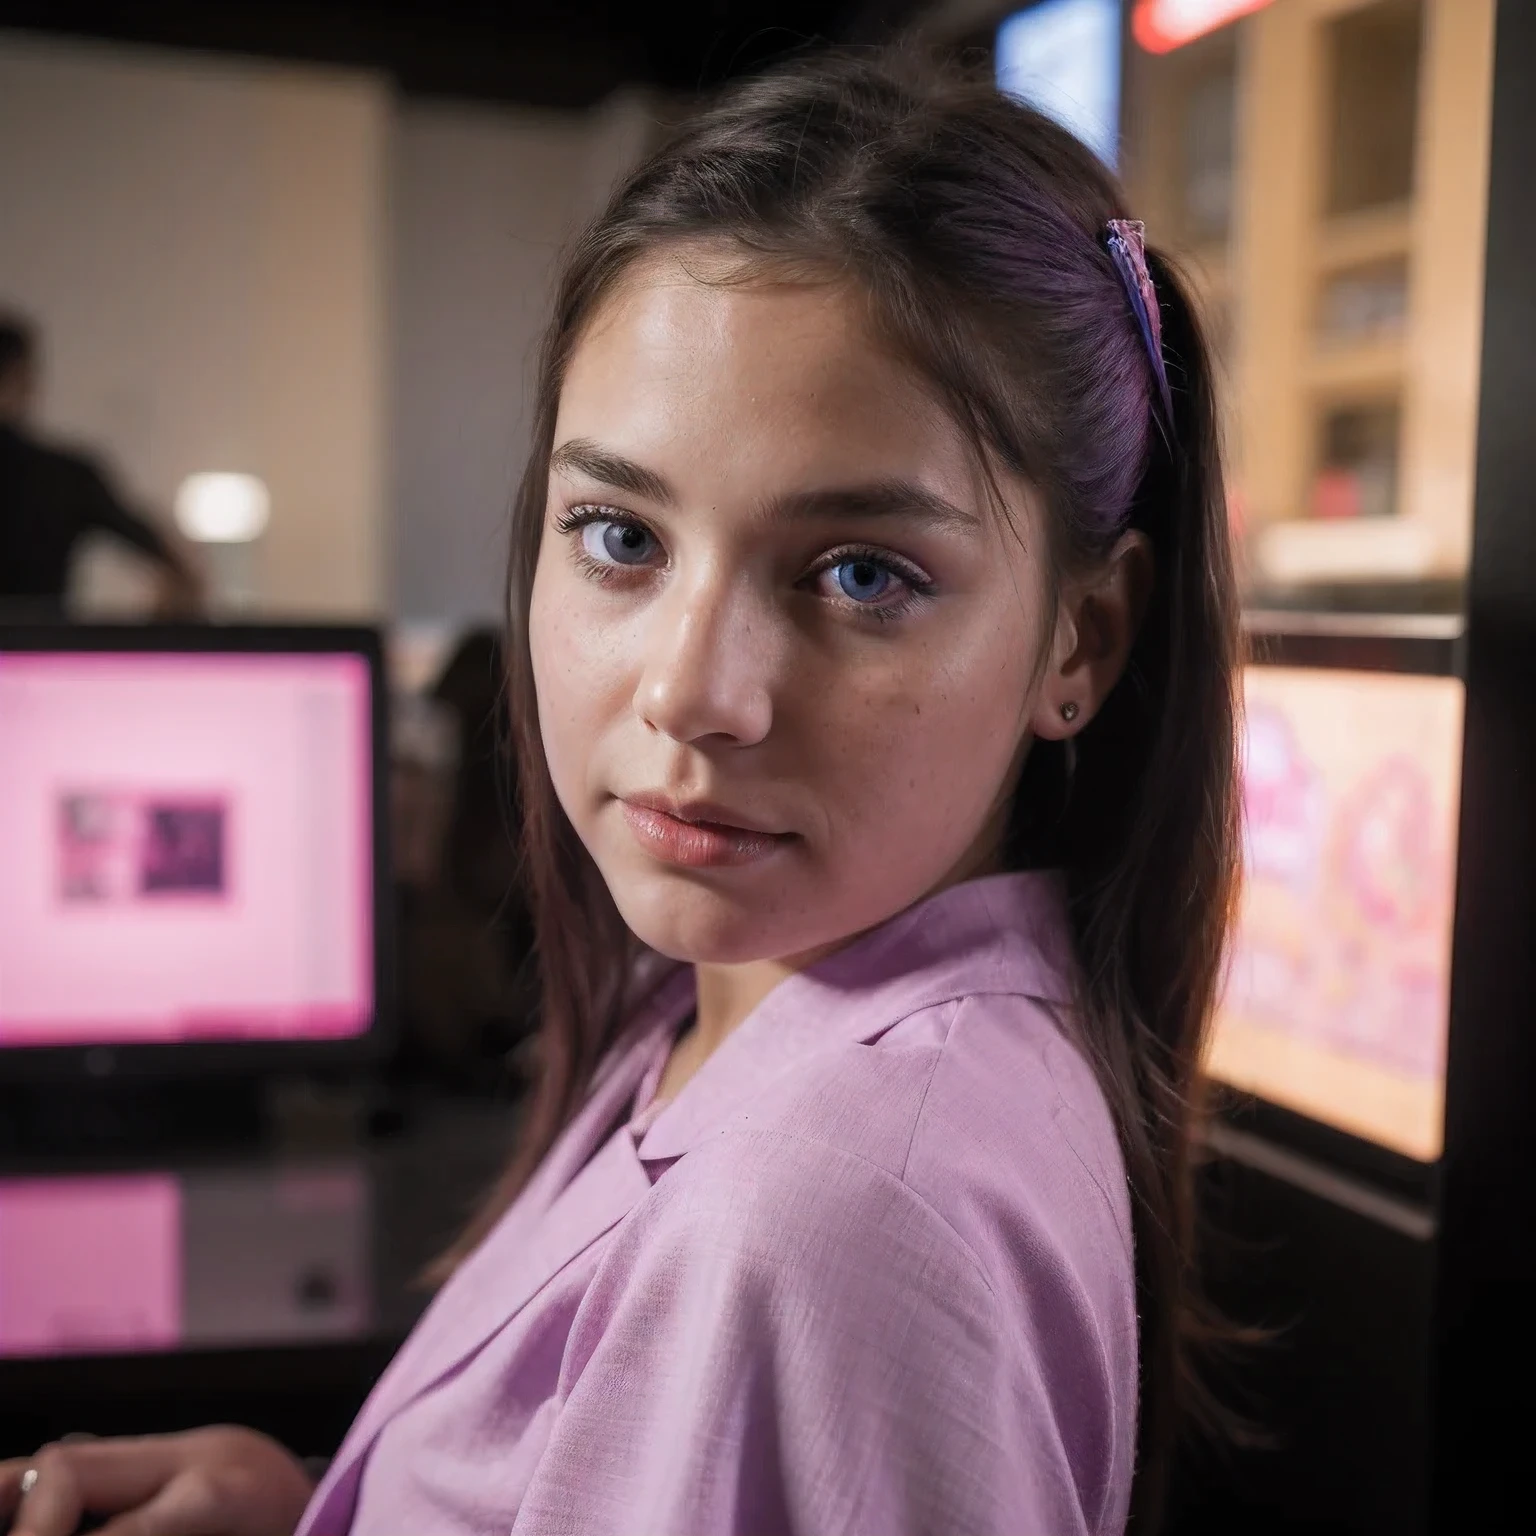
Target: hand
x,y
220,1481
179,594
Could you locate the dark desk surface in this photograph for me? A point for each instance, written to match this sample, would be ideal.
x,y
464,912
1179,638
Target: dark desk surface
x,y
266,1288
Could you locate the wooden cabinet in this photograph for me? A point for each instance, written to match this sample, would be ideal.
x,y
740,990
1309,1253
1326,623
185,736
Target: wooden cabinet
x,y
1320,168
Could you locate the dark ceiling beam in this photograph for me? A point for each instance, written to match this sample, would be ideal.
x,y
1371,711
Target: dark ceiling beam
x,y
539,54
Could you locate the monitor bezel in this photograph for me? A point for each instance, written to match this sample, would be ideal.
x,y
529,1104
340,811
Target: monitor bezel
x,y
254,1058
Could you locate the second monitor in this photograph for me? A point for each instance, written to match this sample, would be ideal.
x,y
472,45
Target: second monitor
x,y
193,845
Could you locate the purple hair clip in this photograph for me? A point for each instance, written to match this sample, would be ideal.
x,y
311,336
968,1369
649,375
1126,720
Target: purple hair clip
x,y
1126,240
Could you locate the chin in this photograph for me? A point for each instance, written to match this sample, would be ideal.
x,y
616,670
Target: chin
x,y
685,919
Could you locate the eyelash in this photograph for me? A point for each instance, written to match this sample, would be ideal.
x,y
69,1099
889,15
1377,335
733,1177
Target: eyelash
x,y
919,587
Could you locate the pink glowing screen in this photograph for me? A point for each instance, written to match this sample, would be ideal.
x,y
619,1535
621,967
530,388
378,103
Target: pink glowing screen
x,y
185,847
89,1265
1337,1001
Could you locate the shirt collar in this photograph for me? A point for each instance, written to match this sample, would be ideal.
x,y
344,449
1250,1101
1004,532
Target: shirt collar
x,y
1000,933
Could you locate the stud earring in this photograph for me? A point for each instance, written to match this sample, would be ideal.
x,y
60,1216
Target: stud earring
x,y
1069,711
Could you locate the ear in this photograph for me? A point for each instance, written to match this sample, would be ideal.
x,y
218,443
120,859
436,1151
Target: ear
x,y
1097,619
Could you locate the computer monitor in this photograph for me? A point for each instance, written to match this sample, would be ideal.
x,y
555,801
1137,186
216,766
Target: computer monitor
x,y
212,1256
1337,998
192,859
1062,57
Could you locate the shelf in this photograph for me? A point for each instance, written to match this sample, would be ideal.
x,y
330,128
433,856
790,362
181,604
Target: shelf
x,y
1373,626
1354,549
1362,368
1343,306
1358,239
1421,644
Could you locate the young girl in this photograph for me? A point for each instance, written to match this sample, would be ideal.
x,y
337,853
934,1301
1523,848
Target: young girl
x,y
873,632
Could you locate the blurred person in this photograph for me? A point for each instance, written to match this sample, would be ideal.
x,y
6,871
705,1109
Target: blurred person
x,y
51,498
465,934
872,652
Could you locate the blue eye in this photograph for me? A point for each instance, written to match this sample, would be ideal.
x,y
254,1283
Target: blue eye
x,y
616,543
863,580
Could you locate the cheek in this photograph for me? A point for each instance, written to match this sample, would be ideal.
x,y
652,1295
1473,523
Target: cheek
x,y
920,754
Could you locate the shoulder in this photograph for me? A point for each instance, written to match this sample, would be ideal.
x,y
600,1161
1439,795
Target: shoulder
x,y
769,1259
61,457
1015,1121
1016,1146
797,1208
978,1106
783,1315
770,1245
972,1130
60,466
976,1124
953,1238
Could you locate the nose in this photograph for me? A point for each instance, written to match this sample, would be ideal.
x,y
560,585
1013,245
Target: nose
x,y
708,664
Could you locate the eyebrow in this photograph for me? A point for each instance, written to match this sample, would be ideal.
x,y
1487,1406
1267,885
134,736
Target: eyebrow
x,y
581,456
874,499
878,498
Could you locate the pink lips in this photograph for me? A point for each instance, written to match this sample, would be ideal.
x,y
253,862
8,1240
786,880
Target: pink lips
x,y
686,836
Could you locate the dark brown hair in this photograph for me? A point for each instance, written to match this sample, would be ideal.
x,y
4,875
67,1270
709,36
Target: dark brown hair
x,y
974,226
18,342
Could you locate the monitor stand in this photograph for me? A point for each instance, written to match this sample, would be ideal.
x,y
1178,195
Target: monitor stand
x,y
127,1117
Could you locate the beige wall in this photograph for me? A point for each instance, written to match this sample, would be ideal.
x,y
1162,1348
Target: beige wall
x,y
287,271
203,243
484,201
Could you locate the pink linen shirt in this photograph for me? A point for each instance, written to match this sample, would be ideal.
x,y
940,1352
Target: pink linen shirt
x,y
869,1273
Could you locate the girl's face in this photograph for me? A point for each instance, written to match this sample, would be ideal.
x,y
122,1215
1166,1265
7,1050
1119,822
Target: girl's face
x,y
787,656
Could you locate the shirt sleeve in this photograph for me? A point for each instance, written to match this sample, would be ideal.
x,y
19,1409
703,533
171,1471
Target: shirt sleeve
x,y
102,509
785,1338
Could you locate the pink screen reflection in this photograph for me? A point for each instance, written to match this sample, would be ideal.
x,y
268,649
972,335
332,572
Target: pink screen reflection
x,y
89,1264
187,847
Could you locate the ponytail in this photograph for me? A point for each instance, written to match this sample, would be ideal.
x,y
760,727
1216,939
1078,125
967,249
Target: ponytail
x,y
1150,844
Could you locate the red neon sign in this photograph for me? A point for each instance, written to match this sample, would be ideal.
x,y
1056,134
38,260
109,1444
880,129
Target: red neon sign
x,y
1160,26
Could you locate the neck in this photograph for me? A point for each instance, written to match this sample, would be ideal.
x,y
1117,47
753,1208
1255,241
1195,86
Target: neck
x,y
728,993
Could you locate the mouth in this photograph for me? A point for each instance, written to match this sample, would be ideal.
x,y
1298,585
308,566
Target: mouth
x,y
698,834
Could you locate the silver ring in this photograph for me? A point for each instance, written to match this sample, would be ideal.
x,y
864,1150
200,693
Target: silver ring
x,y
28,1481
